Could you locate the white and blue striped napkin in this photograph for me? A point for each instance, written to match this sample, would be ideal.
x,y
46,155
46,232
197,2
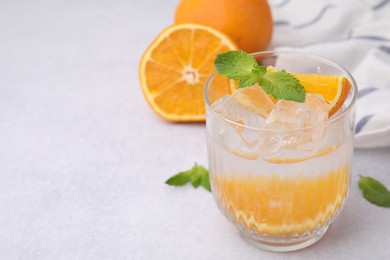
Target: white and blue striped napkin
x,y
355,34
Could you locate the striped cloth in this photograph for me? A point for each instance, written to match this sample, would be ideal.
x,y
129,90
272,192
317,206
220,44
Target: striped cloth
x,y
355,34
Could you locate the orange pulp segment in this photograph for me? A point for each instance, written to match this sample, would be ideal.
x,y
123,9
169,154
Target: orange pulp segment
x,y
174,68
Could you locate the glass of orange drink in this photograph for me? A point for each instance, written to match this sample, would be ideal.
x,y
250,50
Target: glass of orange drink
x,y
280,170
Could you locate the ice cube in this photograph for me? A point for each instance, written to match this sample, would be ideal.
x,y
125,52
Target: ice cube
x,y
229,107
280,140
254,99
235,137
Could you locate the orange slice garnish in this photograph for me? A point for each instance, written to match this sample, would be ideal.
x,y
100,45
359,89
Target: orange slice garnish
x,y
175,67
333,88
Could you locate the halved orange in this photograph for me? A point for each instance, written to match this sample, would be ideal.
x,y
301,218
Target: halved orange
x,y
333,88
175,67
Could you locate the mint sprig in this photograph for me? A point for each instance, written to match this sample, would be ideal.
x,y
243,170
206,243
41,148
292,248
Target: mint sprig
x,y
374,191
241,66
197,175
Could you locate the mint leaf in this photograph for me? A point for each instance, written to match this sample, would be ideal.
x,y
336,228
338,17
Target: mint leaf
x,y
179,179
198,176
282,85
205,180
203,174
374,191
250,79
195,179
241,66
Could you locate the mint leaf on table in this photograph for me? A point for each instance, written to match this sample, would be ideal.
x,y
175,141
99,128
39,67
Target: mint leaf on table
x,y
374,191
204,178
198,176
241,66
195,180
179,179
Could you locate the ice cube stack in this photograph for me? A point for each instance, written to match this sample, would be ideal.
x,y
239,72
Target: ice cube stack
x,y
282,130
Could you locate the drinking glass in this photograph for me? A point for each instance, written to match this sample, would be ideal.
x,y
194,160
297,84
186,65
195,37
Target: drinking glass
x,y
281,189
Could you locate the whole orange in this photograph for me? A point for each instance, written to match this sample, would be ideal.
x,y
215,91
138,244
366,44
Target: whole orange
x,y
247,22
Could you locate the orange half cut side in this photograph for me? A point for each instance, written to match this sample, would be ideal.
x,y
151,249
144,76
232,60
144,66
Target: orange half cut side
x,y
175,68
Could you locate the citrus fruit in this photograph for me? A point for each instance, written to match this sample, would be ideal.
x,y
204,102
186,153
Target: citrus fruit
x,y
247,22
174,68
333,88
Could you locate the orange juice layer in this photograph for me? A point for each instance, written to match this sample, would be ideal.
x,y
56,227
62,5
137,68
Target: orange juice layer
x,y
282,206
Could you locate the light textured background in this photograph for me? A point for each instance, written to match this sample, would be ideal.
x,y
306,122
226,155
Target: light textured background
x,y
83,159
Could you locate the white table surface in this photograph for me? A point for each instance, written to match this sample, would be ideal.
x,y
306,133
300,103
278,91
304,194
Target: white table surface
x,y
83,159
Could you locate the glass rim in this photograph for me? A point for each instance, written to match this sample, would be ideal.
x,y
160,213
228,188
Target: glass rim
x,y
304,53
